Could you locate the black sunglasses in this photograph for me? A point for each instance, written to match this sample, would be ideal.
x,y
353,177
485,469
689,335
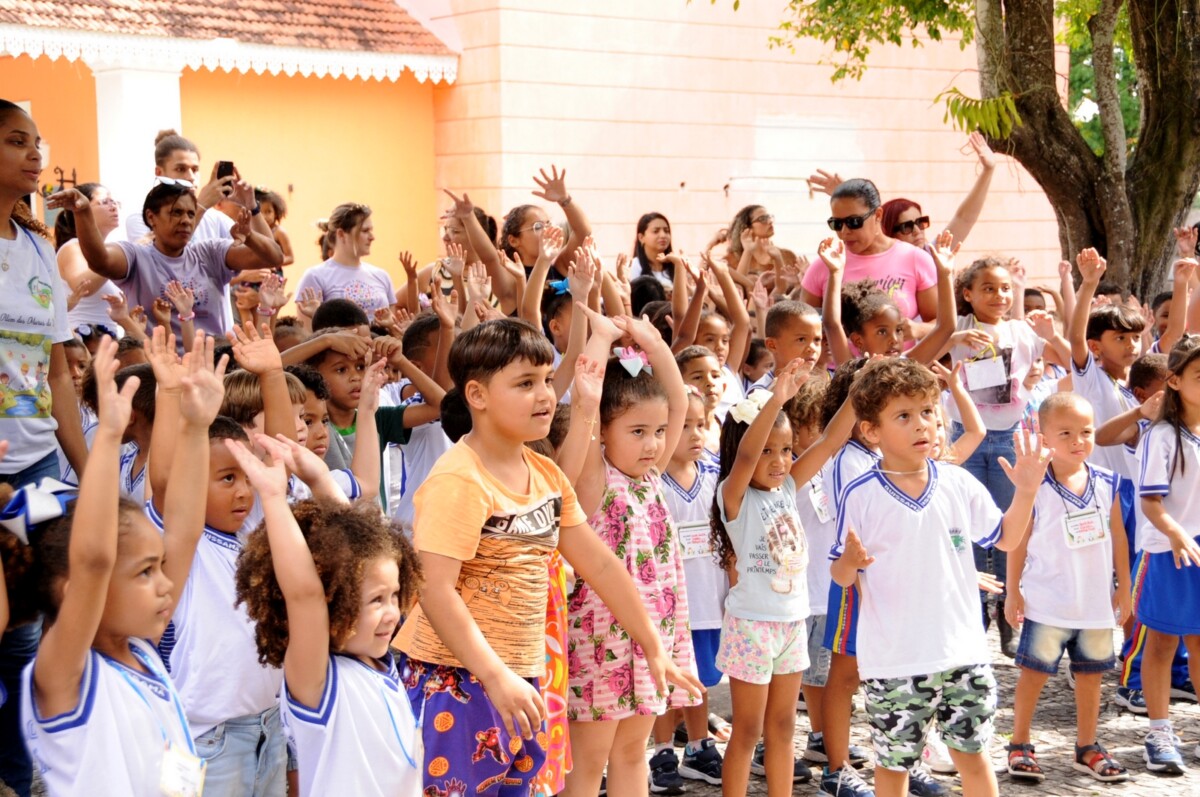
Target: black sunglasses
x,y
909,227
853,222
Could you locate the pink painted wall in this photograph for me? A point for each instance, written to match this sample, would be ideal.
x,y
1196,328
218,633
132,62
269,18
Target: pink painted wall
x,y
637,98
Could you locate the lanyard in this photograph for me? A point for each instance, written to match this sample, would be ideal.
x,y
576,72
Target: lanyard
x,y
1091,482
991,346
120,668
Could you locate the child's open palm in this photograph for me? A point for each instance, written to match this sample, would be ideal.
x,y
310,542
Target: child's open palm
x,y
589,380
168,368
944,250
1032,460
789,379
115,406
255,351
372,382
833,253
203,386
269,479
1042,324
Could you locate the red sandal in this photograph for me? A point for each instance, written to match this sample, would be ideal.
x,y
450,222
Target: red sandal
x,y
1101,766
1022,763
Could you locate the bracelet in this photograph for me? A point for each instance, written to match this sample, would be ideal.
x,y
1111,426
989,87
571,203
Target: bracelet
x,y
269,312
257,209
187,317
562,203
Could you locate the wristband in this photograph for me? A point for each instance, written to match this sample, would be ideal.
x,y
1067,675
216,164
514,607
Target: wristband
x,y
257,209
187,317
270,312
562,203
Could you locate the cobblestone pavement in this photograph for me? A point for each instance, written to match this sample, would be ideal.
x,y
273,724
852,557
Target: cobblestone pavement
x,y
1053,733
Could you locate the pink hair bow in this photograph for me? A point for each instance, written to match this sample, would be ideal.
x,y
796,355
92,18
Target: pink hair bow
x,y
632,360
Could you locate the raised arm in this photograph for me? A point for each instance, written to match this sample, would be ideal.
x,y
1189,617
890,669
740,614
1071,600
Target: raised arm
x,y
164,435
485,250
972,205
1091,267
739,336
107,260
582,277
581,433
1184,269
92,551
974,431
535,288
833,254
256,352
1026,475
585,467
411,300
366,463
928,348
554,189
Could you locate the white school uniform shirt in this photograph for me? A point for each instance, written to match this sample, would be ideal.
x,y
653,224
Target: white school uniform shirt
x,y
209,644
133,485
299,491
1026,348
920,601
815,505
707,583
361,739
425,446
851,461
1158,476
112,743
733,393
89,422
766,516
1109,398
1064,586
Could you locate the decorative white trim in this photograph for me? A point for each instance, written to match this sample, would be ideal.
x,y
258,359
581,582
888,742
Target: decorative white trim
x,y
102,51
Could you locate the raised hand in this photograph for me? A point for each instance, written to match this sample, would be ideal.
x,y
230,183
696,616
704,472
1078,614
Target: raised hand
x,y
160,309
1185,241
118,309
1184,269
581,274
950,377
1042,324
455,260
789,379
974,339
269,479
137,315
446,311
823,181
409,264
601,325
554,187
255,351
168,368
833,253
349,344
944,250
643,333
272,293
623,269
203,384
183,298
759,294
72,200
589,380
462,205
245,298
485,312
1064,270
855,553
1032,460
479,284
1091,265
310,299
1151,408
114,407
987,158
749,240
551,243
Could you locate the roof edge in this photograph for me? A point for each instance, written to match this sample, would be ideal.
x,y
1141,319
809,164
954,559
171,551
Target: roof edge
x,y
122,50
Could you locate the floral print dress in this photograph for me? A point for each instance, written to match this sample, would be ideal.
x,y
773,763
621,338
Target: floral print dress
x,y
609,679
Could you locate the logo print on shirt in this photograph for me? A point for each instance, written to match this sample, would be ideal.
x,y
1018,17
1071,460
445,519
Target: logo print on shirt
x,y
539,522
40,292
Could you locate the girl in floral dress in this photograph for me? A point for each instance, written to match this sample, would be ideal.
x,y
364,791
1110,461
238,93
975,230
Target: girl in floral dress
x,y
641,401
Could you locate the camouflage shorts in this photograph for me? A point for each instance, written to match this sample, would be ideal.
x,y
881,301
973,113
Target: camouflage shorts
x,y
962,702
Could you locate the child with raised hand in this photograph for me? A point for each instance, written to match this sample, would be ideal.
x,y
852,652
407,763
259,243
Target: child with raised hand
x,y
1169,601
1060,585
487,519
326,583
922,653
757,535
613,699
100,713
868,318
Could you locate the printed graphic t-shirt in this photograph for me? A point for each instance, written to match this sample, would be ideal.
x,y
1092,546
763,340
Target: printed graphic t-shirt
x,y
503,540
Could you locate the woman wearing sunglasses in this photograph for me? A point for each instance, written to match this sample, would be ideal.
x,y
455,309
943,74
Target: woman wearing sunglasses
x,y
901,270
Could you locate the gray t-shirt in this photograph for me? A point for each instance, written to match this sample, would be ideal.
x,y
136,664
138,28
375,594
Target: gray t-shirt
x,y
772,556
201,267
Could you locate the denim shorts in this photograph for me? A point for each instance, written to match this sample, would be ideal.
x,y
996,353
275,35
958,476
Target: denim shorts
x,y
819,656
1042,646
246,756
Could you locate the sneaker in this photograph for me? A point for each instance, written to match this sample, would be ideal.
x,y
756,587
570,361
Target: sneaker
x,y
1071,678
603,786
922,784
704,764
800,772
1162,753
1131,700
844,782
1185,691
937,756
664,773
814,751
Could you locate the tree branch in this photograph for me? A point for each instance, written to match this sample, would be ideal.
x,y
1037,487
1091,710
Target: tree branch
x,y
1102,26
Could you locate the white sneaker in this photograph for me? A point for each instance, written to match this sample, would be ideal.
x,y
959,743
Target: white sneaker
x,y
936,755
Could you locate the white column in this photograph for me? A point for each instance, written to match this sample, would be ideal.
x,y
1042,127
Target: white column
x,y
132,105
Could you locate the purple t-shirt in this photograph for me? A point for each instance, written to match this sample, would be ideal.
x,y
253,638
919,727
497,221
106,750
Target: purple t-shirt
x,y
201,267
368,286
901,272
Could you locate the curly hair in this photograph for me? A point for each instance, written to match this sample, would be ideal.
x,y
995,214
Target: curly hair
x,y
732,432
805,409
862,301
880,381
838,390
343,539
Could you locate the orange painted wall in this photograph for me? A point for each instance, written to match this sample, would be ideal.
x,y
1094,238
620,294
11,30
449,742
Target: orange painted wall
x,y
333,140
62,96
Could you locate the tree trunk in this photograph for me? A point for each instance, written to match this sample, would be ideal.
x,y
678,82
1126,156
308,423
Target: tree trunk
x,y
1126,214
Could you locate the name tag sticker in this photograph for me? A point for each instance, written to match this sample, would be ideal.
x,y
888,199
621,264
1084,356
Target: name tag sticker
x,y
182,773
985,373
820,500
694,539
1085,528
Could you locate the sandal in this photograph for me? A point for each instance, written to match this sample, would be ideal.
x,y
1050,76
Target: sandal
x,y
719,728
1022,763
1102,766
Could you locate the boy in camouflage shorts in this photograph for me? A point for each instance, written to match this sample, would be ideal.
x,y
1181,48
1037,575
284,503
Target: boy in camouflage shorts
x,y
904,534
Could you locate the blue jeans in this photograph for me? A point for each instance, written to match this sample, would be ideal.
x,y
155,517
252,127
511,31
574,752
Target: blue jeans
x,y
247,757
16,650
984,465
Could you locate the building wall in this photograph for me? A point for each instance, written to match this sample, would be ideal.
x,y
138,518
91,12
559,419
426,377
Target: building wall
x,y
323,141
683,108
62,98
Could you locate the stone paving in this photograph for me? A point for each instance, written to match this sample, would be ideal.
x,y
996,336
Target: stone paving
x,y
1054,734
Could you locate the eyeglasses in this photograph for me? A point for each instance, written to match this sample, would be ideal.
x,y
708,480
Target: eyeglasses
x,y
909,227
537,227
160,180
765,218
109,202
853,222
